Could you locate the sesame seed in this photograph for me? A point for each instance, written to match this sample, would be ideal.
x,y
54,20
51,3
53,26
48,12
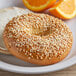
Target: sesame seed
x,y
23,50
29,57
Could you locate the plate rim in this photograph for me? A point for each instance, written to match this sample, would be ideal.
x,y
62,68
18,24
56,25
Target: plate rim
x,y
37,70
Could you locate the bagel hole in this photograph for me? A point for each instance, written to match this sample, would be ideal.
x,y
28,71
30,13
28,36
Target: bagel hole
x,y
42,32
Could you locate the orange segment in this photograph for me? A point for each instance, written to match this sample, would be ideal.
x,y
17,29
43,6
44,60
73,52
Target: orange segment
x,y
65,10
38,5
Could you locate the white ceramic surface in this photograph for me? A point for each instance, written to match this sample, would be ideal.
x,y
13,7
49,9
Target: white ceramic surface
x,y
13,64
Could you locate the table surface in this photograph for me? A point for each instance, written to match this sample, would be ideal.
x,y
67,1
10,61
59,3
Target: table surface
x,y
71,71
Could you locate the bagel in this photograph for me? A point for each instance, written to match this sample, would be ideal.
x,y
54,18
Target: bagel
x,y
5,17
38,38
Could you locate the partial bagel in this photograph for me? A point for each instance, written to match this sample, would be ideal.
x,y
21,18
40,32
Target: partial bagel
x,y
5,17
38,38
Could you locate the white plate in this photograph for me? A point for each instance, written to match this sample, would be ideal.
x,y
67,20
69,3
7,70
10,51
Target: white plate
x,y
13,64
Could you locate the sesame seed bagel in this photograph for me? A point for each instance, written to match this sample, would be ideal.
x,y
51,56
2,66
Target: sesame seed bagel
x,y
38,38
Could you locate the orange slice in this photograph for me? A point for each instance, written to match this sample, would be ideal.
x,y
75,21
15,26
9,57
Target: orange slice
x,y
38,5
65,10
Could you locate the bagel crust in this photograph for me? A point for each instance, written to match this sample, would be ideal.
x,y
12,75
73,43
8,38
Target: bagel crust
x,y
5,17
38,38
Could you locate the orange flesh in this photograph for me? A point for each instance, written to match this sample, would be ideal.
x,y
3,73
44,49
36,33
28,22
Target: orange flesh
x,y
70,4
37,2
